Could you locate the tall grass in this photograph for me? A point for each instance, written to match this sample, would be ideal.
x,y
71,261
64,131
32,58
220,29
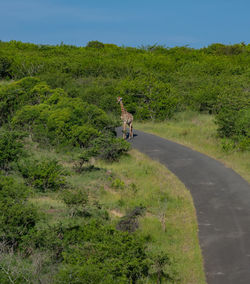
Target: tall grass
x,y
198,131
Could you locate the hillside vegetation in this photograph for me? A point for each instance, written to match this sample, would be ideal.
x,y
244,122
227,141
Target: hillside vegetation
x,y
155,82
77,206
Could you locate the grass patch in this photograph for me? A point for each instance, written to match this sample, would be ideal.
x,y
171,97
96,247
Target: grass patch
x,y
54,209
198,131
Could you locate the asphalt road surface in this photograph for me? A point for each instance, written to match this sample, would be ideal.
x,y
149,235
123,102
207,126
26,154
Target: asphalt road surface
x,y
222,201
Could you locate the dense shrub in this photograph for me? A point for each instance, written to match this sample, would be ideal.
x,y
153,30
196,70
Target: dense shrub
x,y
43,174
242,123
149,98
83,135
233,118
221,49
101,253
109,148
17,216
17,94
5,64
63,120
75,197
11,148
47,239
95,44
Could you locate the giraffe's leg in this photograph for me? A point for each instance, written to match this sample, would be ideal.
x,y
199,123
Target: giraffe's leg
x,y
130,130
124,130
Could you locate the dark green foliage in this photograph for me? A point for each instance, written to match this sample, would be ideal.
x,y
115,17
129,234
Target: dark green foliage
x,y
97,252
149,98
91,252
109,148
221,49
83,135
106,147
86,274
11,148
63,120
45,174
5,64
17,216
233,118
95,44
13,96
46,239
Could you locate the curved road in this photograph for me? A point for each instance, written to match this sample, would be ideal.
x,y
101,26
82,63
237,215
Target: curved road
x,y
222,201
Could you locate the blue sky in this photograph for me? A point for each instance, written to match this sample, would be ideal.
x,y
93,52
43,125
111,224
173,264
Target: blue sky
x,y
196,23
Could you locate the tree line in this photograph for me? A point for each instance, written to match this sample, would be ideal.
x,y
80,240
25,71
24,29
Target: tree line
x,y
154,81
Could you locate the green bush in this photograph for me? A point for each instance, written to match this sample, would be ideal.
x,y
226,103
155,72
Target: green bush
x,y
5,64
83,135
15,95
86,274
110,148
63,120
11,148
46,239
221,49
233,118
242,123
95,44
75,197
96,251
18,217
45,174
149,98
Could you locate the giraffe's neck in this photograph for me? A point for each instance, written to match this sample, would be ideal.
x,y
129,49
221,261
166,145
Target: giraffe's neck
x,y
122,107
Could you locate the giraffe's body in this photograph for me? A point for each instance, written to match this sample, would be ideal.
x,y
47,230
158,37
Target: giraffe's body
x,y
127,119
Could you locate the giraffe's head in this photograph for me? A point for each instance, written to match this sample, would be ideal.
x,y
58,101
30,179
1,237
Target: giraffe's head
x,y
119,99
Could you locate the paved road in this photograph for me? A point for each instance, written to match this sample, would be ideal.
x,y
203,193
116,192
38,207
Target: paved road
x,y
222,202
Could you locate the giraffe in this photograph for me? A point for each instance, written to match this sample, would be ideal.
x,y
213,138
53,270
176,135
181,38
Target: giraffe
x,y
127,119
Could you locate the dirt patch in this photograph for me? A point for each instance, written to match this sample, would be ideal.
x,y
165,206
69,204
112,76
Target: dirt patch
x,y
116,213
